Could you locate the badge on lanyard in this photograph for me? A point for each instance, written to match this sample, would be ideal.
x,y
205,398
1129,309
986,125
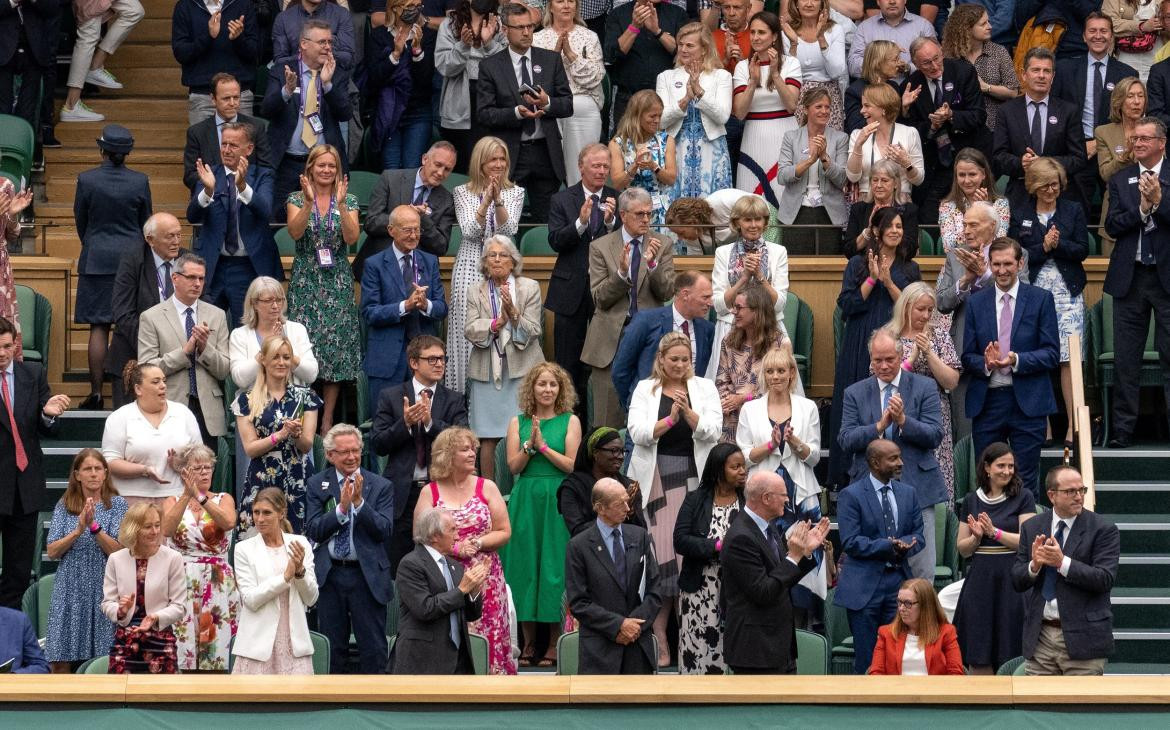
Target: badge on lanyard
x,y
324,258
315,124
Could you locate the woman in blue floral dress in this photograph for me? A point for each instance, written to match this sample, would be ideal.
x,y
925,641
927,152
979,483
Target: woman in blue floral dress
x,y
641,156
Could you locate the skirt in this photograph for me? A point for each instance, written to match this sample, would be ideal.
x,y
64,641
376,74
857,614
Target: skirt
x,y
1070,310
759,157
491,409
673,479
95,295
153,652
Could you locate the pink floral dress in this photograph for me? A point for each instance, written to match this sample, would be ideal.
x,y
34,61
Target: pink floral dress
x,y
205,634
9,232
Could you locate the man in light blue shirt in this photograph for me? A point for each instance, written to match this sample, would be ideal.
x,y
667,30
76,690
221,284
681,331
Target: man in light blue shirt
x,y
893,23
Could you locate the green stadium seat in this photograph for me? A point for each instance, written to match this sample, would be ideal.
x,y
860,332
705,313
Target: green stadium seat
x,y
454,180
36,316
17,143
926,243
361,184
798,321
35,603
812,653
285,243
1011,666
97,665
454,241
321,651
964,468
504,479
477,645
568,652
946,531
1094,244
535,242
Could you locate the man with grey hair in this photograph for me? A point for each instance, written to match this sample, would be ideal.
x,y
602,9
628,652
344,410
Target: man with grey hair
x,y
629,269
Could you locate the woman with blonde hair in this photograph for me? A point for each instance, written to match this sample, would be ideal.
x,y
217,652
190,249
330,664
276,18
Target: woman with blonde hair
x,y
643,156
488,204
967,35
881,64
266,315
920,640
1127,104
882,138
323,219
818,43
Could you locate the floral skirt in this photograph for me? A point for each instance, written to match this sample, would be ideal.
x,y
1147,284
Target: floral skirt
x,y
152,652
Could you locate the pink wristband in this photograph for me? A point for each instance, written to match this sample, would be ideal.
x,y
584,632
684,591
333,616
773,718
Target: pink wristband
x,y
771,446
748,397
543,448
719,546
998,534
633,29
871,281
669,422
906,365
272,438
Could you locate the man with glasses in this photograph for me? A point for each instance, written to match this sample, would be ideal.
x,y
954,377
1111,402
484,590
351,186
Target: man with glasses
x,y
1066,565
408,418
286,31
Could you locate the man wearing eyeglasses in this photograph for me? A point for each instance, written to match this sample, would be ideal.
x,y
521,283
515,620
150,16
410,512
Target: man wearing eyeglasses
x,y
1065,566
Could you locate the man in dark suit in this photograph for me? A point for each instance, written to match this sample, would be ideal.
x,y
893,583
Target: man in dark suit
x,y
1066,565
881,527
348,513
143,280
305,102
903,408
26,48
1010,349
203,138
577,215
19,645
28,411
1138,277
949,115
408,419
760,566
402,298
526,121
611,583
686,314
436,600
1038,125
233,202
421,189
1158,82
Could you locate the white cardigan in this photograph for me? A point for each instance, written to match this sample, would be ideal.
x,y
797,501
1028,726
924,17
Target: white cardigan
x,y
644,414
243,348
260,585
904,135
777,269
715,105
755,429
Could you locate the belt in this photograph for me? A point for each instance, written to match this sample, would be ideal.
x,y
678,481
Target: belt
x,y
1054,622
346,563
300,158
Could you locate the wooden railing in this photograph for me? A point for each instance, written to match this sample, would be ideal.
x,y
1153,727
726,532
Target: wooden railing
x,y
1082,422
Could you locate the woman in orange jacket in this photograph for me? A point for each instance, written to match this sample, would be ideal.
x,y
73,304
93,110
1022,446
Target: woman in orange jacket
x,y
919,640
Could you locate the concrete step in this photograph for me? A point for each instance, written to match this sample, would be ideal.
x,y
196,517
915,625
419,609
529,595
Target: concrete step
x,y
1136,607
168,168
161,134
77,426
151,30
157,9
1127,497
146,152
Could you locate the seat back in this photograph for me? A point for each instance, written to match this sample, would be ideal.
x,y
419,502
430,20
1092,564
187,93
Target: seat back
x,y
361,184
454,180
535,242
1009,667
285,243
925,243
568,646
97,665
1107,343
812,653
798,321
36,601
477,645
321,650
455,239
964,468
36,316
503,474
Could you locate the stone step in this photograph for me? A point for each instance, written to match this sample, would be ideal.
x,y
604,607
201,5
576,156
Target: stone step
x,y
153,30
146,152
1122,497
169,134
133,112
143,54
157,9
170,168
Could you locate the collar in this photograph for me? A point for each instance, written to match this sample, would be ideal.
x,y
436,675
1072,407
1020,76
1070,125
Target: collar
x,y
399,254
418,181
11,371
1068,521
1014,291
158,260
878,486
626,237
1156,169
760,521
341,477
598,192
1029,100
220,121
182,308
905,16
436,556
418,387
605,529
678,318
1104,61
517,56
896,382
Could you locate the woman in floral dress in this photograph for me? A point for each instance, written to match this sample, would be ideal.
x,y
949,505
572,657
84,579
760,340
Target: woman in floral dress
x,y
641,156
973,181
11,205
754,332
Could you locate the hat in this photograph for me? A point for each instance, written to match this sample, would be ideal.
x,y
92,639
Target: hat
x,y
116,138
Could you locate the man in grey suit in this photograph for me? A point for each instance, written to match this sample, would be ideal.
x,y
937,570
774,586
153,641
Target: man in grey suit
x,y
436,600
188,340
203,138
812,170
611,582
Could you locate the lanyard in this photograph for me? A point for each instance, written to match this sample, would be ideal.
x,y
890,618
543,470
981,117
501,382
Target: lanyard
x,y
495,315
301,69
325,226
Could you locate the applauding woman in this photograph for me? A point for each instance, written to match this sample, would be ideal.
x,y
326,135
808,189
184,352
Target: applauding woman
x,y
818,43
600,457
973,182
641,156
882,138
755,331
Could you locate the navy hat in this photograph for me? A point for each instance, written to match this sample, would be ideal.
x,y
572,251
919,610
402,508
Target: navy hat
x,y
116,138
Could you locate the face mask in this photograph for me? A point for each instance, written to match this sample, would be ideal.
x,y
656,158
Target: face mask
x,y
410,15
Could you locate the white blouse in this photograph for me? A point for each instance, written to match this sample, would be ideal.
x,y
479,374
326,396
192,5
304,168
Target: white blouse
x,y
870,153
818,65
585,74
243,346
765,100
128,435
913,658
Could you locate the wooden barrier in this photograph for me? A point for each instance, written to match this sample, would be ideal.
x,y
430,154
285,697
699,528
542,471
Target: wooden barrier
x,y
1082,422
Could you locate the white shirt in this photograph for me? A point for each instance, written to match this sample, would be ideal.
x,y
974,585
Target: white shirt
x,y
398,256
160,274
516,67
219,122
344,519
1157,170
897,383
1051,610
763,525
678,327
182,310
420,472
600,201
998,379
128,435
913,658
244,196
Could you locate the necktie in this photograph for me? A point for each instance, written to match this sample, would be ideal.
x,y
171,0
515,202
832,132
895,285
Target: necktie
x,y
1147,256
168,286
420,197
341,545
1098,87
938,100
408,274
445,569
1048,587
888,513
1037,127
773,542
595,214
21,457
420,451
887,393
686,328
231,242
1005,330
619,556
192,388
635,265
528,128
308,136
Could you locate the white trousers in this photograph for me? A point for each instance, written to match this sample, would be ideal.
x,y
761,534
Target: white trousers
x,y
127,13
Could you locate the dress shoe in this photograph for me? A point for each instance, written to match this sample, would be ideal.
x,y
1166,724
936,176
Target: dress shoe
x,y
92,403
48,139
1120,442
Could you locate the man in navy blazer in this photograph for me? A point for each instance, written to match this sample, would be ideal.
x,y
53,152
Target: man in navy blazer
x,y
880,527
1009,394
18,644
1138,277
639,343
903,408
402,298
233,202
348,514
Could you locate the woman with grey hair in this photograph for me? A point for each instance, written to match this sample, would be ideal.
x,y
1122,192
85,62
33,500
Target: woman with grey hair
x,y
504,315
885,190
266,314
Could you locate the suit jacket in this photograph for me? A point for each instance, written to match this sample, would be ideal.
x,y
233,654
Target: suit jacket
x,y
166,586
390,437
755,428
690,536
942,656
497,95
32,393
371,529
424,643
611,293
1071,80
38,18
1124,222
1069,220
575,502
203,144
1158,91
161,336
111,206
383,292
918,437
261,586
759,630
395,188
569,294
1064,141
600,602
793,150
18,641
1034,340
253,220
864,541
639,344
282,115
968,124
135,291
1093,545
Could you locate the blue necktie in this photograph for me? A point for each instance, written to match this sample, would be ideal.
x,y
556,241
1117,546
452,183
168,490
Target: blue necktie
x,y
619,556
595,214
231,242
635,265
888,513
1048,587
887,393
168,286
445,569
341,545
192,389
773,541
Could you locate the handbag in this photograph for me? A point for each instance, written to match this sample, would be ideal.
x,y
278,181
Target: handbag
x,y
1139,43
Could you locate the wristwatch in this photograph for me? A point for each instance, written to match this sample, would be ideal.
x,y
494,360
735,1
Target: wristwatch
x,y
202,500
527,446
659,33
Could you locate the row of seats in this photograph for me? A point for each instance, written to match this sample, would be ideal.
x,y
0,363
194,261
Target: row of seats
x,y
17,142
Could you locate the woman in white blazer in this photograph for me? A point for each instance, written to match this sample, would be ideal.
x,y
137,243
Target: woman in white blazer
x,y
696,101
277,583
265,309
883,138
675,419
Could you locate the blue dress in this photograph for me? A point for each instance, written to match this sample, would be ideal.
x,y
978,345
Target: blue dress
x,y
661,198
78,630
704,165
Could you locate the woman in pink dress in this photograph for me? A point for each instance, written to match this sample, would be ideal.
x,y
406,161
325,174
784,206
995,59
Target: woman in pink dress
x,y
482,527
11,205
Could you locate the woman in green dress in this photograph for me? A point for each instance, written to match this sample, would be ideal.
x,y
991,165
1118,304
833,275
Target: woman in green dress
x,y
542,444
323,218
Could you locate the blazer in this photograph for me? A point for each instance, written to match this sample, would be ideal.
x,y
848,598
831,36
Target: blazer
x,y
282,115
497,94
714,107
383,292
611,293
904,135
575,502
32,393
1034,340
569,294
942,656
161,337
600,602
252,220
203,144
243,347
111,205
690,536
424,643
1093,546
395,188
918,437
777,274
39,19
371,530
968,124
866,547
1158,91
793,150
135,291
1071,80
18,642
639,344
1069,220
1124,222
166,586
754,593
391,438
1064,141
519,343
755,428
644,414
261,585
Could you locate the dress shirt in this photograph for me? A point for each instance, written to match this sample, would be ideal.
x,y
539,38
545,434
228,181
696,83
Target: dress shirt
x,y
581,227
678,327
420,472
1051,610
607,534
1044,107
998,379
763,525
897,383
418,183
1088,110
1157,170
296,145
160,274
182,310
398,256
913,658
647,266
219,122
877,28
245,198
538,132
344,519
877,490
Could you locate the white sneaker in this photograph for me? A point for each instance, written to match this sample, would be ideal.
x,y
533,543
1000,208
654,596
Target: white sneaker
x,y
103,78
80,113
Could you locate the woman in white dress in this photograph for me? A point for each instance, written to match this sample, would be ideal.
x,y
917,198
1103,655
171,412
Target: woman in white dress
x,y
813,35
882,138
